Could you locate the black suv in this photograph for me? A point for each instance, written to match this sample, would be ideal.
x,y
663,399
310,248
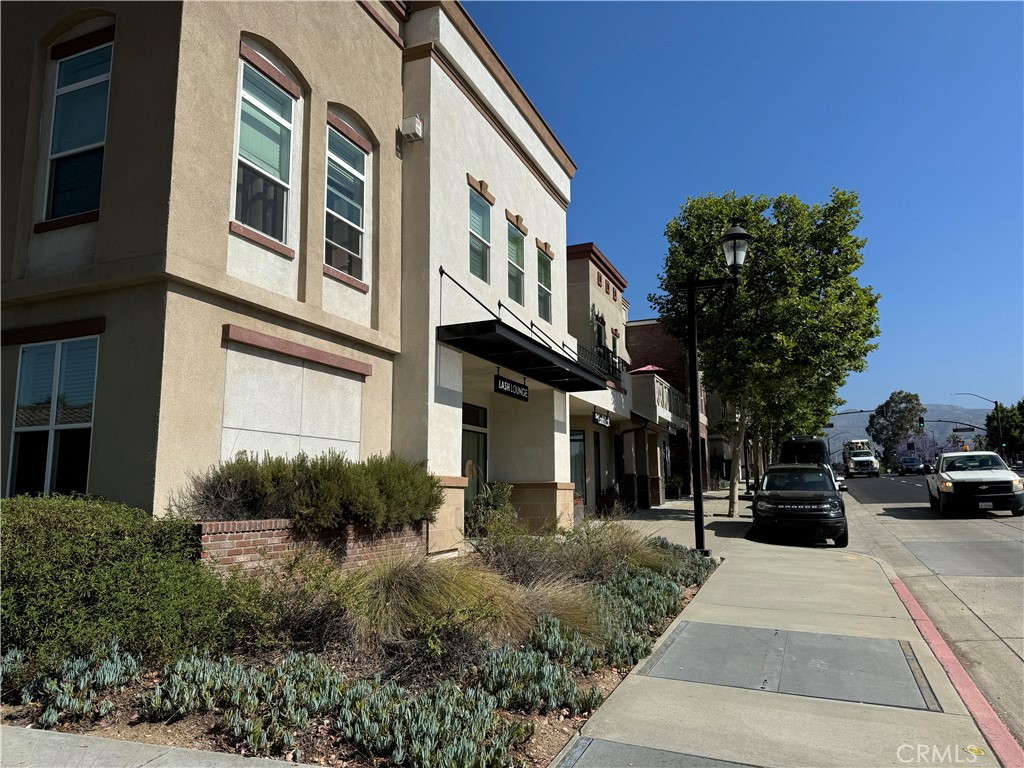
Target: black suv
x,y
801,498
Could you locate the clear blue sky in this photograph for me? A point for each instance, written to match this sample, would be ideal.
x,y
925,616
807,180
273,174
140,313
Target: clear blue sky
x,y
916,106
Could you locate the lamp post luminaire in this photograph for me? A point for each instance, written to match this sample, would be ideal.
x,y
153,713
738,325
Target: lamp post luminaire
x,y
735,243
999,421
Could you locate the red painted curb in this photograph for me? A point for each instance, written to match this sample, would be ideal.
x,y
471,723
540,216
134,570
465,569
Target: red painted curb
x,y
1004,746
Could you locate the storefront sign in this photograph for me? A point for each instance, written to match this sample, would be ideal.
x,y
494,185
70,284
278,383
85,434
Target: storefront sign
x,y
602,419
511,388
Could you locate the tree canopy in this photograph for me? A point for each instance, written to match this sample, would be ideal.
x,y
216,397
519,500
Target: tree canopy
x,y
779,349
1004,425
895,420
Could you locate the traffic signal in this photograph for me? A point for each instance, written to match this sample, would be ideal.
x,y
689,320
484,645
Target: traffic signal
x,y
920,422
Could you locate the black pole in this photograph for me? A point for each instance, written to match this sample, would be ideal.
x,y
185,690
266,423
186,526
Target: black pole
x,y
999,428
746,460
695,467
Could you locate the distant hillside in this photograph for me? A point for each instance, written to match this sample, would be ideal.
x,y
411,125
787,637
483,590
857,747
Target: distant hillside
x,y
854,426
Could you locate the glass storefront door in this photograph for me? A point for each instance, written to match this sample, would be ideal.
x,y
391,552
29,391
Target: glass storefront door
x,y
474,449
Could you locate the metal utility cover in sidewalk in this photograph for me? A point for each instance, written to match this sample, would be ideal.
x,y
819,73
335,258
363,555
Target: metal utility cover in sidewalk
x,y
862,669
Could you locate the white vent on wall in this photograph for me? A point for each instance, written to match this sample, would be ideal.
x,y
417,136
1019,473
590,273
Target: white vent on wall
x,y
412,128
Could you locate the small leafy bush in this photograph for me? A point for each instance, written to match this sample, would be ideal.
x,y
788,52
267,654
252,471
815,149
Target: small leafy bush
x,y
78,571
321,492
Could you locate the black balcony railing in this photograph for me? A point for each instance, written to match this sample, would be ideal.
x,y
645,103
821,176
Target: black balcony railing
x,y
602,362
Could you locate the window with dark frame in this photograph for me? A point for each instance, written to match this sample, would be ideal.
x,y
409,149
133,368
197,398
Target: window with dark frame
x,y
78,131
52,431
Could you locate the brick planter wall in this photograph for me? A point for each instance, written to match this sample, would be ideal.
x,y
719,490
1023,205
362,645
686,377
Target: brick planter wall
x,y
259,545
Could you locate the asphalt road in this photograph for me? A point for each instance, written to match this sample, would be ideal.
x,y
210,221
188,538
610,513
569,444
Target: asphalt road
x,y
966,572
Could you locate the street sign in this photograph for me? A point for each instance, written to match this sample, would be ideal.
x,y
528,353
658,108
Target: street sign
x,y
963,429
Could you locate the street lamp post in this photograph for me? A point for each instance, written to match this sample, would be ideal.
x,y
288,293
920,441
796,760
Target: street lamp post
x,y
735,243
999,421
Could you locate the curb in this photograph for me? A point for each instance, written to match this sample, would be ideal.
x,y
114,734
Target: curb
x,y
1004,746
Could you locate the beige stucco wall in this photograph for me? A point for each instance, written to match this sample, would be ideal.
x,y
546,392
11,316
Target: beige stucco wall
x,y
307,38
192,392
166,220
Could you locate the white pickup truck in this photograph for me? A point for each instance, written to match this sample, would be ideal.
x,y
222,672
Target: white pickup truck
x,y
861,462
974,481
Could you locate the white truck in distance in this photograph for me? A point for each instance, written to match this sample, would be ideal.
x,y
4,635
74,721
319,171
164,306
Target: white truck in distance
x,y
859,459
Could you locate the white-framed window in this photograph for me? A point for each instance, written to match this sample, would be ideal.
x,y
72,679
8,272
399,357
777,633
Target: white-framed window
x,y
53,413
479,236
263,183
78,131
543,285
516,264
347,213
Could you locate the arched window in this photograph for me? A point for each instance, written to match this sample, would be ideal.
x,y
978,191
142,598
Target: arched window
x,y
78,90
348,214
267,151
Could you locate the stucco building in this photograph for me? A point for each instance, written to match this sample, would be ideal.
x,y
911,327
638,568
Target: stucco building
x,y
201,238
280,227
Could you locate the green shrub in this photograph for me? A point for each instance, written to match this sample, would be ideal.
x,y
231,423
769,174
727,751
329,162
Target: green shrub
x,y
407,491
633,603
322,492
564,645
492,512
78,571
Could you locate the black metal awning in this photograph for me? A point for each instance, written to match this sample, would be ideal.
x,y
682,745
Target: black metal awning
x,y
505,347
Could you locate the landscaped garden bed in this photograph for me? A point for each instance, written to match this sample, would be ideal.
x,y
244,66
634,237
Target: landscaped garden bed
x,y
112,626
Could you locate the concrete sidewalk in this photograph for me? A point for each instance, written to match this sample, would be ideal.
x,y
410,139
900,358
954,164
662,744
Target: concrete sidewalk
x,y
789,656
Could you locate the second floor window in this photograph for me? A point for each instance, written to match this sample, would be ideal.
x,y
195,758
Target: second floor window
x,y
79,132
516,264
264,154
479,236
346,224
543,286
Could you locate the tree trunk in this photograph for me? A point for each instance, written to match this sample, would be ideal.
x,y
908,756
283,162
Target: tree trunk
x,y
735,455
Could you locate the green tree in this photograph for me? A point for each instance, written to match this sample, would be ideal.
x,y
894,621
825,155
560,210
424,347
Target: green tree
x,y
1009,420
894,421
778,349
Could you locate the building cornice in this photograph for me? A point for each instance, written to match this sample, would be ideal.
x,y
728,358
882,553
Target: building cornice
x,y
436,54
466,27
598,259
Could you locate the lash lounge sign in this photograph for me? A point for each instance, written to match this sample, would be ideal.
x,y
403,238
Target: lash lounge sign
x,y
511,388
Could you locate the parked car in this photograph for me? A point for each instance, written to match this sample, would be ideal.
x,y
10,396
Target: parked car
x,y
972,481
801,499
910,465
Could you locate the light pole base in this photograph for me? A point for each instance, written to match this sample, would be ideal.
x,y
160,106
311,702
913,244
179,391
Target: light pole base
x,y
704,552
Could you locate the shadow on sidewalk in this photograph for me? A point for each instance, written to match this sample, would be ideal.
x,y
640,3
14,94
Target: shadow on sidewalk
x,y
729,529
662,514
908,513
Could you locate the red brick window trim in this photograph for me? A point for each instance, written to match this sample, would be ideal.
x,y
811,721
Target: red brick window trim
x,y
346,130
283,81
545,248
253,236
347,279
293,349
600,279
66,221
